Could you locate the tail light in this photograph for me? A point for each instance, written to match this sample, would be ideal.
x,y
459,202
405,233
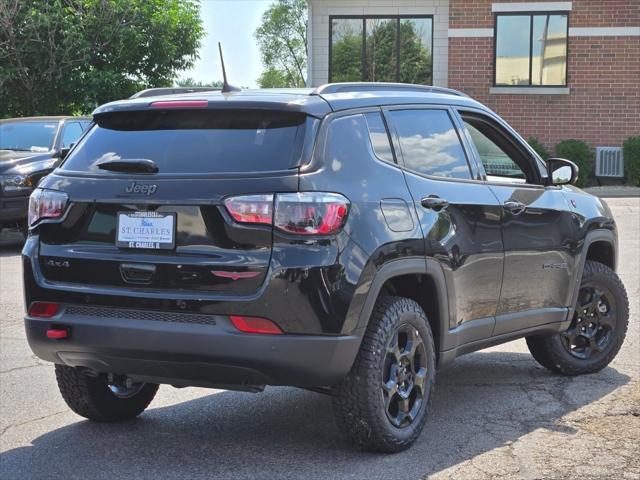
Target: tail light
x,y
255,325
306,213
251,208
43,309
46,204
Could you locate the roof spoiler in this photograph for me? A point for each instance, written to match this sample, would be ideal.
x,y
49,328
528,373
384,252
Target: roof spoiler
x,y
157,92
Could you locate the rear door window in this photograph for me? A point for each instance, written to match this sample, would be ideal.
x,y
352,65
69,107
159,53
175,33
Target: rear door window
x,y
430,144
195,142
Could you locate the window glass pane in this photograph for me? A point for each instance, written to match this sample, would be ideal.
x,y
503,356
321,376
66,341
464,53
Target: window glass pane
x,y
415,50
496,162
549,56
380,48
28,136
512,49
70,134
379,137
346,50
430,144
195,141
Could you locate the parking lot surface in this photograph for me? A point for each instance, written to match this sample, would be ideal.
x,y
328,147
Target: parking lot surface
x,y
496,414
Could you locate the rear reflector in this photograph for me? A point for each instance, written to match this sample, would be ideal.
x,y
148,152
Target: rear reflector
x,y
57,333
43,309
255,325
180,104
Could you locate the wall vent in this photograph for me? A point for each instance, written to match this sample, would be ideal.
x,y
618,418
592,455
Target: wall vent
x,y
609,162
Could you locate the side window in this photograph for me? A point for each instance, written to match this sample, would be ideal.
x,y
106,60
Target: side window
x,y
378,136
498,165
70,134
430,143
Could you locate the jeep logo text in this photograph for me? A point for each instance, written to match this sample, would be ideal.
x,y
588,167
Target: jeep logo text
x,y
143,189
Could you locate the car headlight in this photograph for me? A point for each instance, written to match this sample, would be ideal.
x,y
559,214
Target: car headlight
x,y
16,183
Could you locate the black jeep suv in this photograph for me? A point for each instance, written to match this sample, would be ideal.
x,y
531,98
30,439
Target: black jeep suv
x,y
349,239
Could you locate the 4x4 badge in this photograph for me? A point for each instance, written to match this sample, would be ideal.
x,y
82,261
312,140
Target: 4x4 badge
x,y
143,189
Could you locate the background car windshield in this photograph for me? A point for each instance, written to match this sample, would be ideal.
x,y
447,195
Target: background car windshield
x,y
27,136
187,141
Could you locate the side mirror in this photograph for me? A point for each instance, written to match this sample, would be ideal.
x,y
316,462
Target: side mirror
x,y
64,151
562,171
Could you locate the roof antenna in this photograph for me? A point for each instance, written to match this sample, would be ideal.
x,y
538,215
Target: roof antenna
x,y
226,88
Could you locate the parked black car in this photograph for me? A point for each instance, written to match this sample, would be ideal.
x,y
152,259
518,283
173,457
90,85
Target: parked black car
x,y
348,239
30,148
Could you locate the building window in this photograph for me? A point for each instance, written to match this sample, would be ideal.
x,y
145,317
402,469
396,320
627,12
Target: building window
x,y
381,49
531,50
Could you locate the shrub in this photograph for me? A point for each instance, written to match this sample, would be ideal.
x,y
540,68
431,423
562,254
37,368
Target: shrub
x,y
631,152
538,147
578,152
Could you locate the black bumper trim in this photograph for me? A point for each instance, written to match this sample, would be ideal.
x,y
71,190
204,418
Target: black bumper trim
x,y
191,353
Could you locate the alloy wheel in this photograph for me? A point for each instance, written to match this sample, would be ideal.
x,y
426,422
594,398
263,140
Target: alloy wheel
x,y
404,376
593,322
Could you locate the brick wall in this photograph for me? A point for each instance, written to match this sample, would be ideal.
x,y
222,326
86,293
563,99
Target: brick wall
x,y
603,106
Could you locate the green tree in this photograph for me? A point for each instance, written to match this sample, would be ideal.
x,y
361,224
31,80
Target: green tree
x,y
282,39
190,82
64,56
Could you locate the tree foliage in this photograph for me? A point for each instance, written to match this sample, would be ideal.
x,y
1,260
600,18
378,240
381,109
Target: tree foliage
x,y
190,82
65,56
282,39
631,152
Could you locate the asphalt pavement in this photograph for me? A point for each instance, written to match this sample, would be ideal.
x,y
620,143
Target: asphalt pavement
x,y
496,414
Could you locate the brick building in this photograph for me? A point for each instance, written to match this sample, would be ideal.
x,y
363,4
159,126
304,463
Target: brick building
x,y
554,70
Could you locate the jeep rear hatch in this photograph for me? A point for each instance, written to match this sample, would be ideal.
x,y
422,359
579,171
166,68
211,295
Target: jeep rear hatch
x,y
146,199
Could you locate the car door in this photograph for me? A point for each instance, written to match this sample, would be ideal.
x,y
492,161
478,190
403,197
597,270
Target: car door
x,y
538,229
460,217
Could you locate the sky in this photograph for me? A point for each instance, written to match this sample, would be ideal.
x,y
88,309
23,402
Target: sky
x,y
231,22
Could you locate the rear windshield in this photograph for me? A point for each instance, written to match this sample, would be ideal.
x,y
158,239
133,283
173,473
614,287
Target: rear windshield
x,y
194,141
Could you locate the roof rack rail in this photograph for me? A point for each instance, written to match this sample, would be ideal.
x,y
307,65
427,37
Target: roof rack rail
x,y
159,91
382,87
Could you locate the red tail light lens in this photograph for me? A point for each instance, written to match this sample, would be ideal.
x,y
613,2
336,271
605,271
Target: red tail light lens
x,y
43,309
251,208
46,204
255,325
311,213
306,213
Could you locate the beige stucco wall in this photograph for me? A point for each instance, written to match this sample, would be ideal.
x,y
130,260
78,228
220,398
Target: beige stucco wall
x,y
318,35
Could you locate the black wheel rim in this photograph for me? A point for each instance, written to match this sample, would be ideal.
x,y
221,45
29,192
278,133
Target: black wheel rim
x,y
593,323
404,376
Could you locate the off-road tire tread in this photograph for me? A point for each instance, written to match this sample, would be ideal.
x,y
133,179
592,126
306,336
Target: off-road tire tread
x,y
89,397
547,350
355,400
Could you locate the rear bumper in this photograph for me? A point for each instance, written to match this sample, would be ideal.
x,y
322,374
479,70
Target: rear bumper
x,y
185,349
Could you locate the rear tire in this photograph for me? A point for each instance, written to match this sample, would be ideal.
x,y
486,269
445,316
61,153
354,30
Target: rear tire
x,y
597,329
93,398
382,404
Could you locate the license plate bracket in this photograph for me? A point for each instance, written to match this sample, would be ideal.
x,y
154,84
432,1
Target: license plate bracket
x,y
146,230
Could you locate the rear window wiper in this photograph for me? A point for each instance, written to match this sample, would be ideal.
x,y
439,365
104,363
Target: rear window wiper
x,y
133,165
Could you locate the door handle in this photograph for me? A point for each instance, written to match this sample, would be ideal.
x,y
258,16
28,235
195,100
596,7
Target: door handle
x,y
434,203
515,207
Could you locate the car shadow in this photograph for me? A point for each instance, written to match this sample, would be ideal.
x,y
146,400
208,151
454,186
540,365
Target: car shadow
x,y
483,401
